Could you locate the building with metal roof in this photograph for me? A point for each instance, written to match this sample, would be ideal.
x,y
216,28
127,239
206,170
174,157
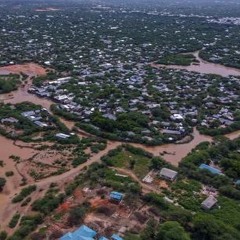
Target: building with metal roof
x,y
116,196
82,233
103,238
168,174
209,202
210,169
116,237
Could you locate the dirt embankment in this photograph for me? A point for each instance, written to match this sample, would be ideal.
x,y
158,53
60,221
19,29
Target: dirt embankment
x,y
30,69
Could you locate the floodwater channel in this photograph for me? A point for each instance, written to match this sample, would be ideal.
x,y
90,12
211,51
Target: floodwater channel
x,y
203,67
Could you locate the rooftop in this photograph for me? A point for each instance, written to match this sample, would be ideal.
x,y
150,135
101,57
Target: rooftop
x,y
116,237
210,169
82,233
168,173
116,196
209,202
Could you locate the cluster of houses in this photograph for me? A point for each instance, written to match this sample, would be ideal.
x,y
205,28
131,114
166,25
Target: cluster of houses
x,y
120,82
86,233
171,175
41,118
36,117
170,100
224,118
226,20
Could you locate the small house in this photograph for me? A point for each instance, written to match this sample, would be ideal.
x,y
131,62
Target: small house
x,y
210,169
116,196
62,136
168,174
208,203
9,120
41,124
171,132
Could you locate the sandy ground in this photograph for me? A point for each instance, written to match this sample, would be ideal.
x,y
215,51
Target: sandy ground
x,y
7,209
28,68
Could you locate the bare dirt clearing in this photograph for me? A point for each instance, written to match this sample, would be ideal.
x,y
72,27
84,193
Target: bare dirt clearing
x,y
27,68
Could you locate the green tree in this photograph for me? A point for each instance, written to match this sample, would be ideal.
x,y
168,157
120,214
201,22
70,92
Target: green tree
x,y
76,216
3,235
149,231
2,183
172,231
206,227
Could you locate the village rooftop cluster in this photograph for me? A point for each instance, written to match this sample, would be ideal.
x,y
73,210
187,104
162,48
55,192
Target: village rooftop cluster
x,y
95,34
166,103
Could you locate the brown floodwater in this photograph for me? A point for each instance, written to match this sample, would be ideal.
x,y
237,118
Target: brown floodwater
x,y
7,148
21,95
204,67
4,72
175,152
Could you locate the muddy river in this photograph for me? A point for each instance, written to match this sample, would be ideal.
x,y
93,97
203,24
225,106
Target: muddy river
x,y
204,67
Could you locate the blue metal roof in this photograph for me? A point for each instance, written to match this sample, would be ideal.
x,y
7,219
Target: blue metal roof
x,y
210,169
116,196
116,237
103,238
238,182
82,233
84,238
67,236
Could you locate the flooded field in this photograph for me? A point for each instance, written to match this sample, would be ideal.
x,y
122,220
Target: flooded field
x,y
204,67
12,185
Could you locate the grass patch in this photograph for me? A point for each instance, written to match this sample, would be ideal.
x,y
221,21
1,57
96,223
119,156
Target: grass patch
x,y
14,221
137,163
228,211
24,193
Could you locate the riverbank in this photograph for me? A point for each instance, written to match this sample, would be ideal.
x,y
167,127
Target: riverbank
x,y
203,67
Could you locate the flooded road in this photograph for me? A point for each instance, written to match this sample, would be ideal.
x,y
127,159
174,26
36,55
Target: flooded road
x,y
203,67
